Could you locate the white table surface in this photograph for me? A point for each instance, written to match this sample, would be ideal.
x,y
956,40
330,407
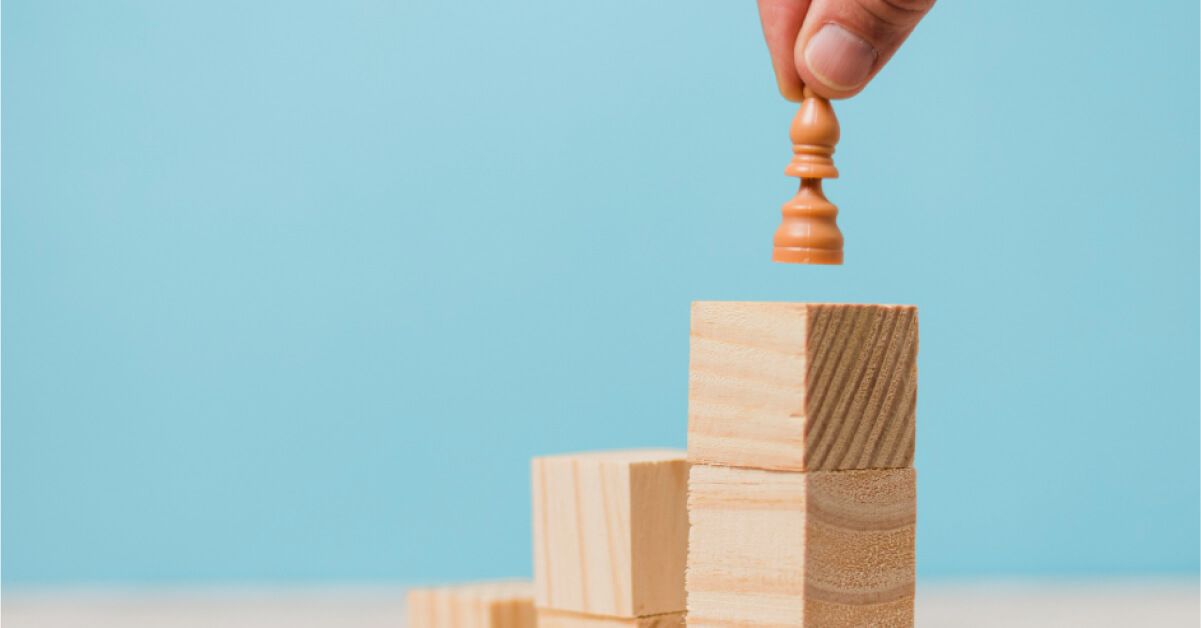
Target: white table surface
x,y
1129,604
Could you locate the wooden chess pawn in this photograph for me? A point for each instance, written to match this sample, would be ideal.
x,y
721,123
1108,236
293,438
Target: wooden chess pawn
x,y
808,233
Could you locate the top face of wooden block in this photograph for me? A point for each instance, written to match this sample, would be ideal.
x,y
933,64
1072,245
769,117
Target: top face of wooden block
x,y
611,532
504,604
617,456
802,387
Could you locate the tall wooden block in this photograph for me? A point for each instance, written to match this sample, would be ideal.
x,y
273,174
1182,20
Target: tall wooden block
x,y
825,549
802,387
481,605
611,532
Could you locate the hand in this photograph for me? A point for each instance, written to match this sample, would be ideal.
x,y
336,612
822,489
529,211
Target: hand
x,y
835,46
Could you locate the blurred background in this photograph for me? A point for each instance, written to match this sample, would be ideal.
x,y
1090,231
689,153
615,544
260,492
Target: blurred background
x,y
293,290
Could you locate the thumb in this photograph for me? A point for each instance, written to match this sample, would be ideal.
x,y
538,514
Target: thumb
x,y
844,43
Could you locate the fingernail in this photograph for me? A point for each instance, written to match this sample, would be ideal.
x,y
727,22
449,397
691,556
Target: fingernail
x,y
839,58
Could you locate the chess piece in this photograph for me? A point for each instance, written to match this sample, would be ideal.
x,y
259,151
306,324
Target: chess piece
x,y
808,233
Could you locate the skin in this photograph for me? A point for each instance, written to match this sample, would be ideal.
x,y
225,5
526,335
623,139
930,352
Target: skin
x,y
789,25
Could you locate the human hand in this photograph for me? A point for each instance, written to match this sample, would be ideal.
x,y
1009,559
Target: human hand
x,y
835,46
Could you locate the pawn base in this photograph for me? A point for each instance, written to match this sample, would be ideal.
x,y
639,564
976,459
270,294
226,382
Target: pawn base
x,y
805,255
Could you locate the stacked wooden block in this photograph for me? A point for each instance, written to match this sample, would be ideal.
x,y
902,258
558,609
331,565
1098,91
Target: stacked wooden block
x,y
482,605
610,539
802,498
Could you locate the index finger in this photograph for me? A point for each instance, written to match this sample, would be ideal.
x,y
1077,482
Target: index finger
x,y
782,20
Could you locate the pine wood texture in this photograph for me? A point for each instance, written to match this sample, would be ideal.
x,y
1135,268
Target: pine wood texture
x,y
479,605
781,548
548,618
802,387
611,532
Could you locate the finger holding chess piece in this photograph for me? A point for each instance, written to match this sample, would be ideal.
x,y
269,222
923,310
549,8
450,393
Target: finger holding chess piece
x,y
808,233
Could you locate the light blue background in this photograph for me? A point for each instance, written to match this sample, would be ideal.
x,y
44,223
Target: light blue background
x,y
293,290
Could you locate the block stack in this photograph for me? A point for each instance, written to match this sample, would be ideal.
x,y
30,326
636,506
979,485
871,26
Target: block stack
x,y
610,539
802,495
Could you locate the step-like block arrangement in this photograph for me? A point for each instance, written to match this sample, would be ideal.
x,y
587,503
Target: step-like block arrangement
x,y
802,387
507,604
610,535
825,548
797,480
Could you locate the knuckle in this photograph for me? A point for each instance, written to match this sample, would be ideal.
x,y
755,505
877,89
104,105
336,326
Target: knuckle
x,y
913,6
896,14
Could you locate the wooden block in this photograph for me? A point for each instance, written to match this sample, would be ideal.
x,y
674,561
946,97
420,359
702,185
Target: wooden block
x,y
479,605
783,548
802,387
548,618
611,532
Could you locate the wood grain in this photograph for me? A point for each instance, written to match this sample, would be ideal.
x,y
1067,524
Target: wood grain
x,y
611,532
479,605
548,618
801,387
819,548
